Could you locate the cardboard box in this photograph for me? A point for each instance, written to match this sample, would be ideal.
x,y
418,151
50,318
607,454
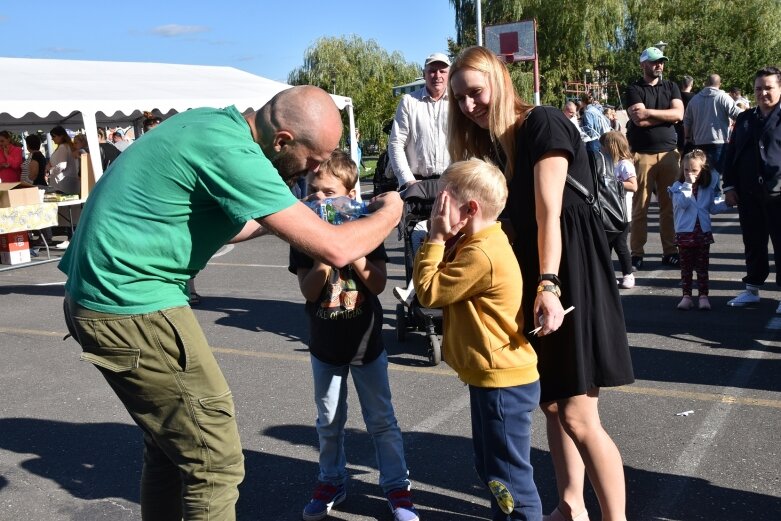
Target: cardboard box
x,y
18,194
14,248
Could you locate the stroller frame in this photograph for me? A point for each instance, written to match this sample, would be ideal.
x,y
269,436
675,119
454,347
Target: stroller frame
x,y
418,201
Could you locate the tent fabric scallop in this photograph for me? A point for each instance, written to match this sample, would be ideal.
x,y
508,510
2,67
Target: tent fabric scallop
x,y
40,93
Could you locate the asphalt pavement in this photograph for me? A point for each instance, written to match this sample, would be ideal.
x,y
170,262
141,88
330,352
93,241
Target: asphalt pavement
x,y
69,451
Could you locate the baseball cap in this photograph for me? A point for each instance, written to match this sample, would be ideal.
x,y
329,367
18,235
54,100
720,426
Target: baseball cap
x,y
652,54
437,57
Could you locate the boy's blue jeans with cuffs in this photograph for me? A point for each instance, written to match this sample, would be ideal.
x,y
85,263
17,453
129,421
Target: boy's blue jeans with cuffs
x,y
373,388
501,436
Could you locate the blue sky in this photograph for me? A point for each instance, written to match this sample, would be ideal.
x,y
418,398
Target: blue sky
x,y
262,37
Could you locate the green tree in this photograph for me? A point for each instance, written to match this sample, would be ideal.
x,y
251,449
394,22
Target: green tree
x,y
733,39
361,70
572,36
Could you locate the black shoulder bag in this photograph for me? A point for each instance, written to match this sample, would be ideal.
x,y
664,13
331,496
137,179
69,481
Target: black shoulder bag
x,y
609,200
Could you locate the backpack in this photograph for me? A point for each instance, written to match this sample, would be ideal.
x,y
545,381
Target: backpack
x,y
609,199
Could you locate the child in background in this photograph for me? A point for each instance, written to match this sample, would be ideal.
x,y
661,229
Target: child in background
x,y
345,322
615,144
693,202
477,282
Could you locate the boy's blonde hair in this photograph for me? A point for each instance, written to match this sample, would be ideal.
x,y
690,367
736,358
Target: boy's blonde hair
x,y
342,167
478,180
615,144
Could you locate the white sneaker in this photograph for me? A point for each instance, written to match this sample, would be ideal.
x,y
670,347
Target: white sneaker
x,y
63,245
745,298
404,295
778,309
627,282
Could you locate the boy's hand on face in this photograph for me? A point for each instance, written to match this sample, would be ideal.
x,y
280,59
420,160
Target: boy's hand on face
x,y
441,229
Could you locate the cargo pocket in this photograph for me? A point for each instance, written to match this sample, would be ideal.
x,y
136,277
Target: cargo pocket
x,y
114,359
215,417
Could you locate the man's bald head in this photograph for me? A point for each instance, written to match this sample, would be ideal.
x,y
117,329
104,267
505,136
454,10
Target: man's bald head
x,y
714,80
307,112
297,130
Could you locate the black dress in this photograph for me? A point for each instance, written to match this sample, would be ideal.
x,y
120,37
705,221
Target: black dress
x,y
590,349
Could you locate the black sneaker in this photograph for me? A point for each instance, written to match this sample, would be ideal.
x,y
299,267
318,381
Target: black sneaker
x,y
637,263
671,260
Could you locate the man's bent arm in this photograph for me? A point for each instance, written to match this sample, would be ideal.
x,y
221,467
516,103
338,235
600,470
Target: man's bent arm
x,y
397,143
336,245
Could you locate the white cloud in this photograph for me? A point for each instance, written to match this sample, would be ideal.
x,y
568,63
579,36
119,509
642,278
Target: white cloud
x,y
174,30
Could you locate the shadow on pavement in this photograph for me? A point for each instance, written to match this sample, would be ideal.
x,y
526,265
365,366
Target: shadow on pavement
x,y
281,317
103,460
88,460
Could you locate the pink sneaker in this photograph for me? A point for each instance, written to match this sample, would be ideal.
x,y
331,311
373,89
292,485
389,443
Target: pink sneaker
x,y
686,303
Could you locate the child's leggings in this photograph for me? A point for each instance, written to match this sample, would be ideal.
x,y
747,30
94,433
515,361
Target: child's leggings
x,y
694,258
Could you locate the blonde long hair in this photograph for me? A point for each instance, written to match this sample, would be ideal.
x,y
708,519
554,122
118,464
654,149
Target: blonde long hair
x,y
615,144
506,113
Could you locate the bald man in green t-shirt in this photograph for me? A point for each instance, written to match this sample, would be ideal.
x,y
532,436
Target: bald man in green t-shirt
x,y
202,178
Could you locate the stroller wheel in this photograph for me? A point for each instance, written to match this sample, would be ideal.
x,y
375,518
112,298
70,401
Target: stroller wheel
x,y
435,350
401,322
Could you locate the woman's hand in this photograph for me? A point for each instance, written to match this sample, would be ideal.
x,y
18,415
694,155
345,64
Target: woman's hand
x,y
548,312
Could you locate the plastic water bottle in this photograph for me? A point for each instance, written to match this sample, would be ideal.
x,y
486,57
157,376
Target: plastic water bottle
x,y
337,210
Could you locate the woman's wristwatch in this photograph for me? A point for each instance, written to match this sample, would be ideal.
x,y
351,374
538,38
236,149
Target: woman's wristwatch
x,y
549,282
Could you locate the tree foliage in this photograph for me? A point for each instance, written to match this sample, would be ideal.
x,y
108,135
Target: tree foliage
x,y
361,70
733,39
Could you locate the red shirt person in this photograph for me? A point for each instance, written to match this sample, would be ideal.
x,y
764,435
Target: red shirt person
x,y
10,159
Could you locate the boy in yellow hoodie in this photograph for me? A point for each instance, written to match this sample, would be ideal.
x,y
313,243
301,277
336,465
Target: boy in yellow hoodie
x,y
478,284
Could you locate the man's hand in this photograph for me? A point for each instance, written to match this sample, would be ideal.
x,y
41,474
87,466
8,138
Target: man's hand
x,y
637,113
389,202
731,198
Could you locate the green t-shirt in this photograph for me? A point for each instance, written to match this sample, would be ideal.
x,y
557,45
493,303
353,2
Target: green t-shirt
x,y
165,207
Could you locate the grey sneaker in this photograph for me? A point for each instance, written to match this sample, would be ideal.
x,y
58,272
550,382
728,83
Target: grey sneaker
x,y
745,298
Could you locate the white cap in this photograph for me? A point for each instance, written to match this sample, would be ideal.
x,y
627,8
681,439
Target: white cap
x,y
437,57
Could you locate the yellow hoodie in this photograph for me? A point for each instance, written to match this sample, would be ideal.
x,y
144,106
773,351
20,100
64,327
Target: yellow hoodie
x,y
478,286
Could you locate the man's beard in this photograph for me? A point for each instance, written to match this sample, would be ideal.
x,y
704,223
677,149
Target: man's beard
x,y
288,168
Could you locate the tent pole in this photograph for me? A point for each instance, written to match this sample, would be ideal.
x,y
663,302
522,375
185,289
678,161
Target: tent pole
x,y
91,130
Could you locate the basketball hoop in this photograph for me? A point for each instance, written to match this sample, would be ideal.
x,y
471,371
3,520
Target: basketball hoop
x,y
512,42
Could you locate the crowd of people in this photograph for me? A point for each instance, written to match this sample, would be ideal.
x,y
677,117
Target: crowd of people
x,y
670,126
516,258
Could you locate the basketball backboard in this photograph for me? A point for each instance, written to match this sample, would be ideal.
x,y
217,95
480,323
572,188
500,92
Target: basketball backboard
x,y
514,41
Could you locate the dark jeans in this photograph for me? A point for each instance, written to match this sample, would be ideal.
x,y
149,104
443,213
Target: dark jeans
x,y
760,219
619,244
501,436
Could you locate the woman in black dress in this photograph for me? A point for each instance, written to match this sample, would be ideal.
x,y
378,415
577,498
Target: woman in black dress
x,y
565,261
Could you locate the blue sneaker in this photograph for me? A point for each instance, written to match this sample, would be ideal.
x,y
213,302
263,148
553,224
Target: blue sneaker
x,y
400,503
324,498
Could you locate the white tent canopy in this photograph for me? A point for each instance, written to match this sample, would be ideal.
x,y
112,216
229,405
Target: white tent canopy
x,y
40,94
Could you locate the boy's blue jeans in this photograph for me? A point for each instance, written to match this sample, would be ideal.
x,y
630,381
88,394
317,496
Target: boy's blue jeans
x,y
371,383
501,436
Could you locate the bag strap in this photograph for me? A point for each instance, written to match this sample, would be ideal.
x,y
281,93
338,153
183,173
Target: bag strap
x,y
581,190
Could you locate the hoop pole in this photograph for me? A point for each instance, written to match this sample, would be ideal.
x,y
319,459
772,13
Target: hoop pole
x,y
479,17
536,68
